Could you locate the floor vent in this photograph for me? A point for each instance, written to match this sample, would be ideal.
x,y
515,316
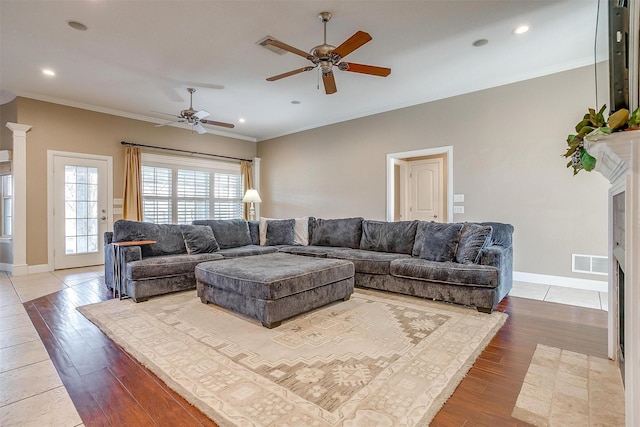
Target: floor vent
x,y
590,264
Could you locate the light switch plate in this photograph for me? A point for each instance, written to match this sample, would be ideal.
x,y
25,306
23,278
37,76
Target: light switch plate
x,y
458,209
458,198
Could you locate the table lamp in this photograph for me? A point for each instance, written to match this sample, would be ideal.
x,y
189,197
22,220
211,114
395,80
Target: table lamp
x,y
251,196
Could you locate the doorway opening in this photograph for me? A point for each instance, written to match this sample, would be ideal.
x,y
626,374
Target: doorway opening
x,y
420,185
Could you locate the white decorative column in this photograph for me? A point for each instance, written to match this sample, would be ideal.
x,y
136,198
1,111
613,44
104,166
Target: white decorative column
x,y
19,213
618,160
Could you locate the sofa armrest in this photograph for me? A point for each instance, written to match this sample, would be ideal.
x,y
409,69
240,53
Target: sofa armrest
x,y
108,237
127,254
502,258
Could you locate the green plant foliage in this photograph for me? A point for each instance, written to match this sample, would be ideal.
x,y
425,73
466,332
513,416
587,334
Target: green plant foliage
x,y
592,126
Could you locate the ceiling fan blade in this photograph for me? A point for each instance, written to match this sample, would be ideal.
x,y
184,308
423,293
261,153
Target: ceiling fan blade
x,y
214,123
166,114
290,73
198,128
329,83
169,123
364,69
201,114
352,43
288,48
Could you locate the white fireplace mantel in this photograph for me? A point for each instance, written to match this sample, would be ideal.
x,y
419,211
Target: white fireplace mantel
x,y
618,160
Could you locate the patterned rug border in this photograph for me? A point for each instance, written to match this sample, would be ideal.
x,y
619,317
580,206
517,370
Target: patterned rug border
x,y
382,296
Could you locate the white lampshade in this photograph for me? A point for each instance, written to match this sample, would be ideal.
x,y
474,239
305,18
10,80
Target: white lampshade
x,y
251,196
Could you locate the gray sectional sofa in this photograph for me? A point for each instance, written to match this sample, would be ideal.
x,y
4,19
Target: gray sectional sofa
x,y
463,263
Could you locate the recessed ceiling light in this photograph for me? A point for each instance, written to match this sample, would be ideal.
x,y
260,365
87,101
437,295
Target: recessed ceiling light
x,y
521,29
77,25
241,120
295,102
48,72
480,42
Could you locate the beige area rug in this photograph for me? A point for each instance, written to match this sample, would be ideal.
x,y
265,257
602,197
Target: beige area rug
x,y
377,359
563,388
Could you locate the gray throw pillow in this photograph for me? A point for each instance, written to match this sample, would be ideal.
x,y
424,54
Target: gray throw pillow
x,y
383,236
199,239
280,232
473,238
440,242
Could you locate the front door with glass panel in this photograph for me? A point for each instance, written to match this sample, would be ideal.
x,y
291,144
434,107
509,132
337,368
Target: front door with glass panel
x,y
80,211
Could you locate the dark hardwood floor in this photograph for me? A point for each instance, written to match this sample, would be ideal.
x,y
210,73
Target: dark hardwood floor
x,y
110,388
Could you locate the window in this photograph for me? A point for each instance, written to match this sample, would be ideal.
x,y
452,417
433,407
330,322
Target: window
x,y
180,190
7,195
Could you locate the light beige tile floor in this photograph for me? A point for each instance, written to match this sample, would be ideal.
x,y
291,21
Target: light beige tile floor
x,y
31,392
45,402
562,295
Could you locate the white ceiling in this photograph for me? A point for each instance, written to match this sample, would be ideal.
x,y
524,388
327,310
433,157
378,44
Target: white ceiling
x,y
139,56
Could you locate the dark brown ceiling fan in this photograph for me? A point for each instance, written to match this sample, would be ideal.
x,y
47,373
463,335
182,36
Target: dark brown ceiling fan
x,y
326,57
194,117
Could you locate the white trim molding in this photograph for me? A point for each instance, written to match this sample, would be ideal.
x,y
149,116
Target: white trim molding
x,y
391,158
567,282
19,205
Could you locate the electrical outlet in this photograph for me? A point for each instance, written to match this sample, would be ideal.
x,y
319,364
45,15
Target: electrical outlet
x,y
458,198
458,209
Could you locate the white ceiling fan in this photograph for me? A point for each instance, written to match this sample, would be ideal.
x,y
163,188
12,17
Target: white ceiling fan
x,y
195,118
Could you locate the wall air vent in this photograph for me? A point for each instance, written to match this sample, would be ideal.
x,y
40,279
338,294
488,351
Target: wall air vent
x,y
590,264
263,42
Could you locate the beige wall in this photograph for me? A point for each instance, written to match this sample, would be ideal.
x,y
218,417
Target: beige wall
x,y
507,161
61,128
8,113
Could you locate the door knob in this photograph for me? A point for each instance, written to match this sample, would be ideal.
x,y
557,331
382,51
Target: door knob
x,y
435,216
104,218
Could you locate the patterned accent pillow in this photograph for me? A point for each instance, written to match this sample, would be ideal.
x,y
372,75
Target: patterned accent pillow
x,y
473,238
199,239
280,232
440,242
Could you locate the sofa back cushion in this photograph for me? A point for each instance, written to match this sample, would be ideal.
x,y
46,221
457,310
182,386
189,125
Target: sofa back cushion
x,y
230,233
382,236
254,232
440,241
342,232
168,236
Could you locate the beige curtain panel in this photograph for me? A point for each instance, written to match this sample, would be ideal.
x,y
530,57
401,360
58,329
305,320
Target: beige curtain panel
x,y
132,200
245,170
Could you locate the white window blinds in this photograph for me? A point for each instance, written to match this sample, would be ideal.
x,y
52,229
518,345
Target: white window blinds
x,y
180,190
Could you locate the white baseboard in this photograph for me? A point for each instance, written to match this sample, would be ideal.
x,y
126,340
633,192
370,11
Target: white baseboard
x,y
567,282
6,267
41,268
19,269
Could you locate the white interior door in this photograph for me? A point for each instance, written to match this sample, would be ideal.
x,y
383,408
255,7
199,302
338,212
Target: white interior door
x,y
425,188
80,194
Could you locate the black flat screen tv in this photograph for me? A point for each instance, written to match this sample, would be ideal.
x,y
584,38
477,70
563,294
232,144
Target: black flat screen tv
x,y
618,55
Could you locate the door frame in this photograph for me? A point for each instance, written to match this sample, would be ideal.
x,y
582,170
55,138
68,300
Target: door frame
x,y
391,161
51,202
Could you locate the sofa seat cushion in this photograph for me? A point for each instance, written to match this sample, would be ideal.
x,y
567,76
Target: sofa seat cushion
x,y
368,261
247,250
314,251
167,265
446,272
273,276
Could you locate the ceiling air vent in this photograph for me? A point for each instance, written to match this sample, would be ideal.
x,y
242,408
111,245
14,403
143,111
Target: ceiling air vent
x,y
263,42
590,264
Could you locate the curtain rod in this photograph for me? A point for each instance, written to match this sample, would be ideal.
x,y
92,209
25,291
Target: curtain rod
x,y
133,144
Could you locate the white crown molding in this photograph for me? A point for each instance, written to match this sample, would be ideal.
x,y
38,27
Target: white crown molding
x,y
113,112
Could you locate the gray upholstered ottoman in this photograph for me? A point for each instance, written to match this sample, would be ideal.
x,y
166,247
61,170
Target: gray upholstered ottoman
x,y
274,287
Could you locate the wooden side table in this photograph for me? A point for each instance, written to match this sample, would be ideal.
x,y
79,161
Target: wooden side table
x,y
116,261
